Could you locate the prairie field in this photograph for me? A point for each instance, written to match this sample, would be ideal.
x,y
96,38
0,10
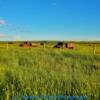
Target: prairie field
x,y
49,71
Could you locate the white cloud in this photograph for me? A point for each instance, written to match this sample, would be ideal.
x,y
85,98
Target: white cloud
x,y
2,22
14,36
2,35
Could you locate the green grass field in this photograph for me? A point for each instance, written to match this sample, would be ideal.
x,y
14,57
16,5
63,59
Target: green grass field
x,y
49,71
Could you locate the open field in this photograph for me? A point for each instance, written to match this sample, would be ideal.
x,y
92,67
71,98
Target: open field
x,y
49,71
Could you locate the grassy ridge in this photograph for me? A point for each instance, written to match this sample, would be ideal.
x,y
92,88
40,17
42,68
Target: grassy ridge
x,y
48,72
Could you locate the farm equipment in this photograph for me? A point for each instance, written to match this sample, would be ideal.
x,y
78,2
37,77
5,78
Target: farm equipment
x,y
26,44
59,45
69,45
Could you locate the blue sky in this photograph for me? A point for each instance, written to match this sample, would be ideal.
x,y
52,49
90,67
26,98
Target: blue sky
x,y
50,19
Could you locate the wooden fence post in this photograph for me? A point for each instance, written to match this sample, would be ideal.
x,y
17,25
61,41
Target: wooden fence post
x,y
7,45
94,49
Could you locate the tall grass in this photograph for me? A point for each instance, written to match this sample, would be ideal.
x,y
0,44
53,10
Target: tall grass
x,y
48,72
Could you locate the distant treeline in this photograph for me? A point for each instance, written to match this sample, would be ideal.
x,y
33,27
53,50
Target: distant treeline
x,y
79,42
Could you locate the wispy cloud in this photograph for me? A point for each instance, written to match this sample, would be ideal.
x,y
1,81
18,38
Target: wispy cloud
x,y
2,22
14,36
2,35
